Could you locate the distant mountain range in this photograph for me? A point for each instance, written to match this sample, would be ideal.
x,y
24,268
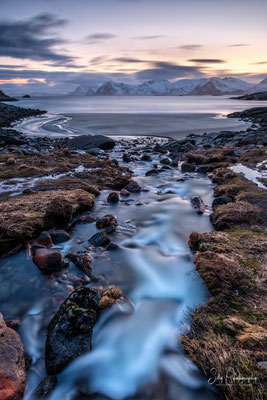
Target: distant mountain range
x,y
183,87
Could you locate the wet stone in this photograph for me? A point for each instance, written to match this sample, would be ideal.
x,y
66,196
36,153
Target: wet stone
x,y
124,193
133,187
83,261
113,197
165,161
146,157
152,172
70,331
186,167
47,260
126,158
198,204
99,239
59,236
45,388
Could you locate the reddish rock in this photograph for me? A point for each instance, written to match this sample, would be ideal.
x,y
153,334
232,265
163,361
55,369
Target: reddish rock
x,y
47,260
44,240
113,197
124,193
12,364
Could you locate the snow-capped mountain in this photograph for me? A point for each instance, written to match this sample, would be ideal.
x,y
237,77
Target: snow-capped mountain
x,y
153,87
186,86
205,86
236,84
148,88
111,88
217,87
84,90
260,87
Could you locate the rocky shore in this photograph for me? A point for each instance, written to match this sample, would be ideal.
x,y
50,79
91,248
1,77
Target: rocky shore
x,y
253,96
228,336
48,186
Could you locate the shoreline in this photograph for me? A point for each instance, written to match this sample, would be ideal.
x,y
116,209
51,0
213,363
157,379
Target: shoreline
x,y
125,124
228,258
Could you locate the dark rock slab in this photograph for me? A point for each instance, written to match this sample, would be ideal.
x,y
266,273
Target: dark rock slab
x,y
99,239
87,142
70,331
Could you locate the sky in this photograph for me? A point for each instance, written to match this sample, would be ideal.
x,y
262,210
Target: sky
x,y
51,46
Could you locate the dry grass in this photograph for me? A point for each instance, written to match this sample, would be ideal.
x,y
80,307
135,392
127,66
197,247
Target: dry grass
x,y
23,216
230,331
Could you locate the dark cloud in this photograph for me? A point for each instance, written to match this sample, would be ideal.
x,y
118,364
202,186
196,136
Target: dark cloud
x,y
27,39
165,70
11,66
147,37
207,60
239,45
99,37
98,60
190,46
66,66
129,60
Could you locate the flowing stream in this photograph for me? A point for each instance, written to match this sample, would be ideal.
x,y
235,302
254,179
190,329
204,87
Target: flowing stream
x,y
136,352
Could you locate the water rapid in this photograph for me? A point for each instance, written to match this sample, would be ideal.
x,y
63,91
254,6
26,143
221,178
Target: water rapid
x,y
136,352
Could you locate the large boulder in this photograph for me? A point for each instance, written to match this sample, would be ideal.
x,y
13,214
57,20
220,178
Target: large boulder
x,y
70,331
87,142
12,364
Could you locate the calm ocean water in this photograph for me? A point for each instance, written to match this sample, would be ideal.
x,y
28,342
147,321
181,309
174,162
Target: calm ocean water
x,y
139,104
174,116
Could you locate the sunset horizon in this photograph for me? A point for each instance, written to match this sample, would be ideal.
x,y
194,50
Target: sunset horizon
x,y
139,41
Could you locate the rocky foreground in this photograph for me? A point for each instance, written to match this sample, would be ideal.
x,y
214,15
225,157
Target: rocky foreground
x,y
228,337
228,334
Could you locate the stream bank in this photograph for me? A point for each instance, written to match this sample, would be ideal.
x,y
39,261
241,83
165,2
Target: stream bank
x,y
134,346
